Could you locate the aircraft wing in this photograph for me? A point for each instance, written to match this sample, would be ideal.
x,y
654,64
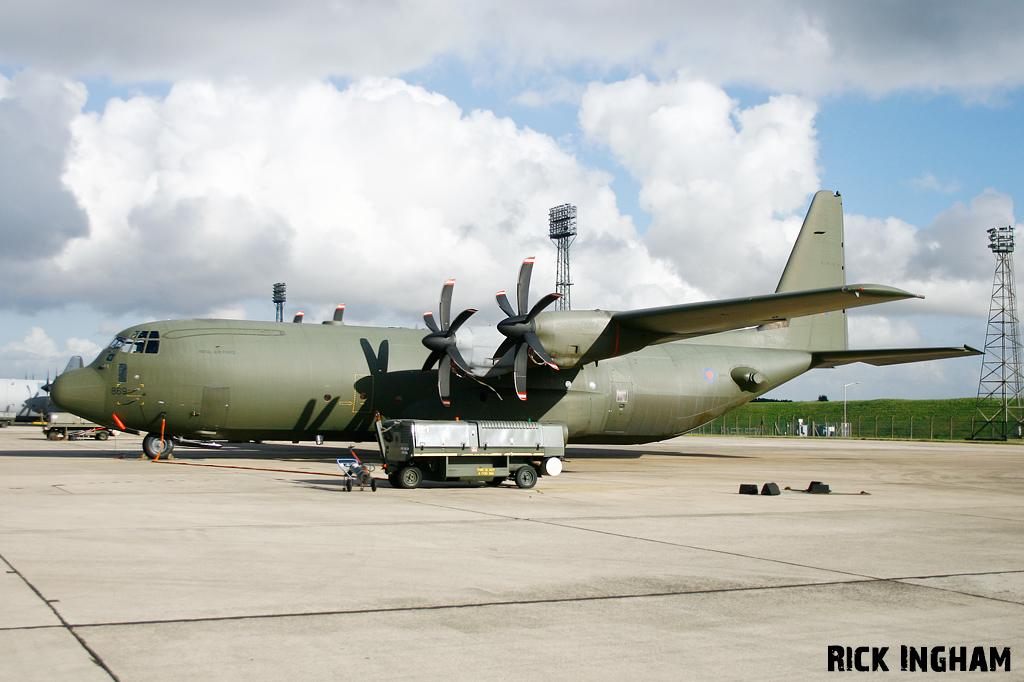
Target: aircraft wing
x,y
889,356
697,319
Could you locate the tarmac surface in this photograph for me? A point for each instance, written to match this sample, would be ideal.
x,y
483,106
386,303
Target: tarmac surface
x,y
253,563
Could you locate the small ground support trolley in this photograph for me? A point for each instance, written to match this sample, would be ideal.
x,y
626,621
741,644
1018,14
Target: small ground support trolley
x,y
63,425
490,451
357,473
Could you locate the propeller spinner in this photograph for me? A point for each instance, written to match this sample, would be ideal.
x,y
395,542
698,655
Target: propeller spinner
x,y
520,328
441,342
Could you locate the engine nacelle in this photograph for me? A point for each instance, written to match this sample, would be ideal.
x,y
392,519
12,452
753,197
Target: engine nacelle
x,y
575,337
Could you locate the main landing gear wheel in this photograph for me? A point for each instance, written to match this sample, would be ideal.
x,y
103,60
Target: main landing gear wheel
x,y
526,476
155,447
409,477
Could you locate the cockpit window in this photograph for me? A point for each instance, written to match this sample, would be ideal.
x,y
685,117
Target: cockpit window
x,y
138,342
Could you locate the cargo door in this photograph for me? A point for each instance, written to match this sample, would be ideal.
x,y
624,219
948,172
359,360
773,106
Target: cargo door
x,y
213,414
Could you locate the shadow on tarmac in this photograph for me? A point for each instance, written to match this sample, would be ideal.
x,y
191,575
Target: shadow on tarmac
x,y
290,452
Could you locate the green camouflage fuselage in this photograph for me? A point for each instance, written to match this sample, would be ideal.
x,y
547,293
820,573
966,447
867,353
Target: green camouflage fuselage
x,y
241,380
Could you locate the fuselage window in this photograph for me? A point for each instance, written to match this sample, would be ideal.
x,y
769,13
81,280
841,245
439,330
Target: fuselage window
x,y
139,342
132,346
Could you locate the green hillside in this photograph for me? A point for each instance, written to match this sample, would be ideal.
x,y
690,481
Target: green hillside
x,y
918,419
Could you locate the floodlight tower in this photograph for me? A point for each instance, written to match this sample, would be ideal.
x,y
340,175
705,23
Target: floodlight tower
x,y
1000,408
279,300
562,220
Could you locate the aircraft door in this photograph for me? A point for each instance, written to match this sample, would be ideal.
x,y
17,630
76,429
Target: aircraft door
x,y
620,406
129,393
213,414
362,392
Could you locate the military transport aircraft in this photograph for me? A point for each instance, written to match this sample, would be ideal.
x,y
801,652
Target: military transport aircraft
x,y
609,377
22,398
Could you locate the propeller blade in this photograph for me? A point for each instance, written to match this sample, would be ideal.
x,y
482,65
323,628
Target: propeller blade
x,y
505,347
463,316
428,318
503,303
339,312
444,381
431,359
523,293
520,373
542,304
298,317
444,312
534,343
456,356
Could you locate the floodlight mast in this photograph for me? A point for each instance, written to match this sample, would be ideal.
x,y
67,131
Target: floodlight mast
x,y
279,300
562,221
1000,408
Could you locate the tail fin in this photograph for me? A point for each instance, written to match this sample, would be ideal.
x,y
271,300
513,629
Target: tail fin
x,y
816,262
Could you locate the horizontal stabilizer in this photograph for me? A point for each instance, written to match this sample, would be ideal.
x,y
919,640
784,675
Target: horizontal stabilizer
x,y
697,319
889,356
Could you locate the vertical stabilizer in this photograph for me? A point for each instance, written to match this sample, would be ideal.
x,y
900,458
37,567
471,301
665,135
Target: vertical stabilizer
x,y
817,262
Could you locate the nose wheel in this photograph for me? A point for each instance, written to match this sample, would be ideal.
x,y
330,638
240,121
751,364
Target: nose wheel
x,y
155,447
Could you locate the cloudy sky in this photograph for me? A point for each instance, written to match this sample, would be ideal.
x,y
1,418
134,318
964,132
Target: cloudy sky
x,y
176,159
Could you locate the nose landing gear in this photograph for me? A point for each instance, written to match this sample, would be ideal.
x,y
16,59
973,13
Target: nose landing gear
x,y
154,446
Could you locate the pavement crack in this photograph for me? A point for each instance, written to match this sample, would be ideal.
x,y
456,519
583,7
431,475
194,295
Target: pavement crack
x,y
93,655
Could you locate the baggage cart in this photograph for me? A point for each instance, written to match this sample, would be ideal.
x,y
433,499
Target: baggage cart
x,y
414,450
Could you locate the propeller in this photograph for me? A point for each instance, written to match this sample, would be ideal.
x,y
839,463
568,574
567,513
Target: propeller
x,y
520,328
441,342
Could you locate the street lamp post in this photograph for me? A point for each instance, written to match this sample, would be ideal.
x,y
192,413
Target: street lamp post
x,y
846,424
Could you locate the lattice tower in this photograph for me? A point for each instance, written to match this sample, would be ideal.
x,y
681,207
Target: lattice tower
x,y
562,220
1000,409
279,300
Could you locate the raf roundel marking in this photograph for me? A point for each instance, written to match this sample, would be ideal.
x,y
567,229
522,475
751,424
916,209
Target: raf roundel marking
x,y
709,375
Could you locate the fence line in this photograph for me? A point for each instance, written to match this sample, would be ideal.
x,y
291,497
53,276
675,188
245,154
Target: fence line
x,y
871,426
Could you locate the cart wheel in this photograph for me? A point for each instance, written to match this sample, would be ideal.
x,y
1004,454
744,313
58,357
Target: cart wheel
x,y
348,485
526,476
373,484
103,435
409,477
495,482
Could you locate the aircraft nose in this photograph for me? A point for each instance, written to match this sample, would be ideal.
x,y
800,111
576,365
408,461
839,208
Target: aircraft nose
x,y
79,391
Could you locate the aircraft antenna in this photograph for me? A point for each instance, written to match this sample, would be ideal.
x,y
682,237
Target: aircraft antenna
x,y
279,300
562,220
999,408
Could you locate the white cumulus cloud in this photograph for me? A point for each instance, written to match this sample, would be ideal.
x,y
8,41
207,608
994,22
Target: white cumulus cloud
x,y
727,186
37,349
373,194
